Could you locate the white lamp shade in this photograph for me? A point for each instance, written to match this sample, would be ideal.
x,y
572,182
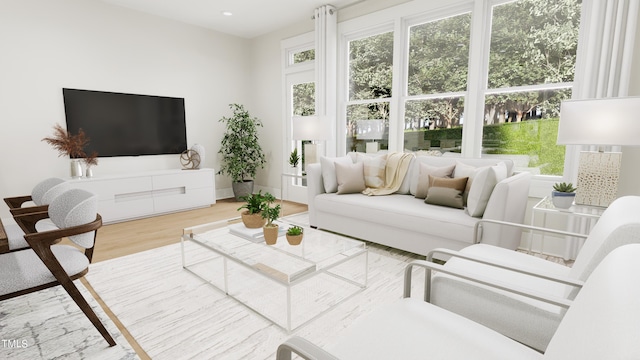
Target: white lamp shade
x,y
369,129
311,128
610,121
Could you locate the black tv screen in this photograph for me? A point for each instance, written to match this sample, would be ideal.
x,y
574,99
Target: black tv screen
x,y
120,124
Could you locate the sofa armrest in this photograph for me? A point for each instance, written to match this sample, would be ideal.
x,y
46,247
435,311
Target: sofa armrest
x,y
315,187
479,279
508,202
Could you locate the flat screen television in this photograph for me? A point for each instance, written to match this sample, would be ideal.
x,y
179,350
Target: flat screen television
x,y
119,124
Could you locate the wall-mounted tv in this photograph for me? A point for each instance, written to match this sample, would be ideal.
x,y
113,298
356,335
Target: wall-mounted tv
x,y
120,124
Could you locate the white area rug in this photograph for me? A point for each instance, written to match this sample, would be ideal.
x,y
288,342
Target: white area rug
x,y
174,315
49,325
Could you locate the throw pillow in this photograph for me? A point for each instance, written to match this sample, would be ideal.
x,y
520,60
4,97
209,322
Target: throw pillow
x,y
374,167
464,170
428,170
484,180
350,178
328,169
444,197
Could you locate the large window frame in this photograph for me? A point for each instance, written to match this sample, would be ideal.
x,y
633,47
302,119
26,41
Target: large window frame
x,y
398,19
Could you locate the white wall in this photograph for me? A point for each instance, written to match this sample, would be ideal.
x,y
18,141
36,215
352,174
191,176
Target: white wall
x,y
47,45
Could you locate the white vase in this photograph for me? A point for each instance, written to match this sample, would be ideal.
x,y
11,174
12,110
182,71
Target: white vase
x,y
200,150
76,168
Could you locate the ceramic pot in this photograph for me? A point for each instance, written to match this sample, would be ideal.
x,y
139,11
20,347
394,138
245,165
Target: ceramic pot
x,y
294,239
562,200
270,234
242,188
252,221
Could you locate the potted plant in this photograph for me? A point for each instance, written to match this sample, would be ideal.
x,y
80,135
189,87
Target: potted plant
x,y
294,158
241,152
563,195
270,230
252,215
294,235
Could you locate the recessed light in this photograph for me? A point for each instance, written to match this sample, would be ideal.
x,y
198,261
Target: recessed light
x,y
227,13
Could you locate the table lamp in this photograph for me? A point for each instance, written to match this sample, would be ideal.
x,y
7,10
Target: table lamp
x,y
370,130
602,122
313,128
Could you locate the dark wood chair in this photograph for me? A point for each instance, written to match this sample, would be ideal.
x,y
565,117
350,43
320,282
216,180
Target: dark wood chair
x,y
41,195
47,264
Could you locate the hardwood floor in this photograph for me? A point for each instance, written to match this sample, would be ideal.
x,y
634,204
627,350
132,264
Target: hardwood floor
x,y
130,237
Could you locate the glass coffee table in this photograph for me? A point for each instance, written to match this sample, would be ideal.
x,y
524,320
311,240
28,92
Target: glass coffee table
x,y
289,285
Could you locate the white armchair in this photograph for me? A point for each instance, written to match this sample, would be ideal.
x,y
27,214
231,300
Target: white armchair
x,y
506,312
602,323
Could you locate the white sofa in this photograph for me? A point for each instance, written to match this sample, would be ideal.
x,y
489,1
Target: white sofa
x,y
405,222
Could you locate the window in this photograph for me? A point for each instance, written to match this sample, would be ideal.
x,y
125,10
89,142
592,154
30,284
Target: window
x,y
304,56
370,81
532,58
494,71
438,58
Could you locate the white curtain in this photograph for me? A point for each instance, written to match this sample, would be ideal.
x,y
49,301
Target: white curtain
x,y
603,69
326,24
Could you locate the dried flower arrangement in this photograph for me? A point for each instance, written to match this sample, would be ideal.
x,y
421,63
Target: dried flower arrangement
x,y
72,145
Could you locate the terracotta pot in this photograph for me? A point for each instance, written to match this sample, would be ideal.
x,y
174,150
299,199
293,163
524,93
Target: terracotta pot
x,y
253,221
294,239
270,234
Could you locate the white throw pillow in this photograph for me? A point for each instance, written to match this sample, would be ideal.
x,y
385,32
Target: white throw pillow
x,y
350,177
484,180
374,169
423,177
328,169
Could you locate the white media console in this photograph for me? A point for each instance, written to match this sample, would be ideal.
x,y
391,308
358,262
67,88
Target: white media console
x,y
131,196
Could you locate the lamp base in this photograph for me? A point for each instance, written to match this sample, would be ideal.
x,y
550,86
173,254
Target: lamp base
x,y
372,147
598,175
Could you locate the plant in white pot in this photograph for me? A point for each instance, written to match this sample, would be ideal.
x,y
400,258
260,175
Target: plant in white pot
x,y
241,151
563,195
270,230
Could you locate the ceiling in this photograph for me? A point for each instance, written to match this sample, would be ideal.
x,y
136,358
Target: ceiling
x,y
250,18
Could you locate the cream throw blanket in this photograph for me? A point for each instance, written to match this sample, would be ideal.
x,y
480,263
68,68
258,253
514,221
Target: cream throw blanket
x,y
394,172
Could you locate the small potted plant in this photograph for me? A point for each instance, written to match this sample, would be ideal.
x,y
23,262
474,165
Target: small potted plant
x,y
294,158
294,235
270,230
252,215
563,195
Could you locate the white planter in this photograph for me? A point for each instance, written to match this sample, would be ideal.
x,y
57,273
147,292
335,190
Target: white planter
x,y
562,200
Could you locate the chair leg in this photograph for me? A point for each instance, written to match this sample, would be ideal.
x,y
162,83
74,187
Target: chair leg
x,y
75,294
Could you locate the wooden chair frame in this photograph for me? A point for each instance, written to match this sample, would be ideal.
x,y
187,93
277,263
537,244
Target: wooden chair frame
x,y
40,243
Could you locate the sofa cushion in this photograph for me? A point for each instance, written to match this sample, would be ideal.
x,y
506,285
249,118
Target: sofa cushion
x,y
374,169
425,171
401,211
484,179
446,192
328,168
350,177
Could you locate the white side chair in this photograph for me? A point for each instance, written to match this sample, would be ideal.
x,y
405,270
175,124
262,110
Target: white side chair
x,y
602,323
506,312
46,264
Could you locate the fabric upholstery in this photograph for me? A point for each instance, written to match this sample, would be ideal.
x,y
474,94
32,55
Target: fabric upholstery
x,y
395,172
426,170
76,207
374,169
23,269
350,178
413,329
42,187
329,171
483,181
505,313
